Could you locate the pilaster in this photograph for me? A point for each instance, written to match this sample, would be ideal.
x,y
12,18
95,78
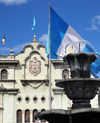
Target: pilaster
x,y
23,116
31,116
1,107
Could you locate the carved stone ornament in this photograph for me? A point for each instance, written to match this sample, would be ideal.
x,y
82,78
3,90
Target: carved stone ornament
x,y
35,66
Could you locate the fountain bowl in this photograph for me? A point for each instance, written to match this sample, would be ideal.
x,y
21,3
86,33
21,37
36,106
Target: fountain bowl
x,y
80,90
83,115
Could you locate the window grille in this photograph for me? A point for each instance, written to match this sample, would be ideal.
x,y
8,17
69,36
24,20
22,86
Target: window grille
x,y
35,111
27,116
19,116
65,74
4,74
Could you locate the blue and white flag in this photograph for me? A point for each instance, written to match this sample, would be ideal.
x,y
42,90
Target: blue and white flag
x,y
95,68
64,40
33,27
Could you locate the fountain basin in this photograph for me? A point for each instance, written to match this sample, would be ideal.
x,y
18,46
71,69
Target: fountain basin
x,y
84,115
80,90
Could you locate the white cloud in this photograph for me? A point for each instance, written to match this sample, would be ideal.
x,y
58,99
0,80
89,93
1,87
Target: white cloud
x,y
92,28
19,47
12,2
96,20
5,49
43,39
95,24
16,49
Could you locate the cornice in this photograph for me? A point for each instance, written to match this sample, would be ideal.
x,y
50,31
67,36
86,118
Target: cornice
x,y
8,80
9,62
10,90
58,91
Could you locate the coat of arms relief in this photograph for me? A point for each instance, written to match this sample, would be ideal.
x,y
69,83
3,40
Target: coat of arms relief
x,y
34,66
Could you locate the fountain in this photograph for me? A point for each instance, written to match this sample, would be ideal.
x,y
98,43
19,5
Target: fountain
x,y
80,88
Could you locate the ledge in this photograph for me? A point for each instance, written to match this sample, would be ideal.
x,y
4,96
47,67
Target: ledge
x,y
57,61
60,63
58,91
9,62
9,91
57,80
25,82
39,46
1,108
8,80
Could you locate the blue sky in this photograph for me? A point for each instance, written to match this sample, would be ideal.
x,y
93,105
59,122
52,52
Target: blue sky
x,y
16,19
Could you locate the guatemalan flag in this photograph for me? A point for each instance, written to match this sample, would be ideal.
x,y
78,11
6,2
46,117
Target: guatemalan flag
x,y
33,27
64,40
3,40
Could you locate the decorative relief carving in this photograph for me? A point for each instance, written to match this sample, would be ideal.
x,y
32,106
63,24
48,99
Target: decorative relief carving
x,y
35,66
36,85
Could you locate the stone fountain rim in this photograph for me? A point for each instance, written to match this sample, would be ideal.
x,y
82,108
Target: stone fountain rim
x,y
80,53
77,80
62,83
67,112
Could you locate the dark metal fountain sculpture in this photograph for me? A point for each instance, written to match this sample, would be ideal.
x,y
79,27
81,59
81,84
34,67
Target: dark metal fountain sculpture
x,y
80,88
80,64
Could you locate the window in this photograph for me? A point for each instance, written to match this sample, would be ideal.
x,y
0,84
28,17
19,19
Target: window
x,y
27,99
43,121
35,111
4,74
19,99
27,116
19,116
35,99
43,99
65,74
51,98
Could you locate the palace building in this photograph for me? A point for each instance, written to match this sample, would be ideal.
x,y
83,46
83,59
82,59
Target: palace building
x,y
24,84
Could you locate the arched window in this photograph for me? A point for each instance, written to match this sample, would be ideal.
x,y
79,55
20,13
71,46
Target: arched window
x,y
43,121
19,116
4,74
27,116
65,74
35,111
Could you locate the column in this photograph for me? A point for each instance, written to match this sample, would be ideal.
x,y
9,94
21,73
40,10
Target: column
x,y
1,108
31,116
23,116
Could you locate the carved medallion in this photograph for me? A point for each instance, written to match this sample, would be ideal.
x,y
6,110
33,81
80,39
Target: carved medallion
x,y
35,66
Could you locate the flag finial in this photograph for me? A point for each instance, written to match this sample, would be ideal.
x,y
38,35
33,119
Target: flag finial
x,y
34,38
11,52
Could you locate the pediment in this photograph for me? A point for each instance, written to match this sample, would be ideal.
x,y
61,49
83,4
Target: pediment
x,y
32,49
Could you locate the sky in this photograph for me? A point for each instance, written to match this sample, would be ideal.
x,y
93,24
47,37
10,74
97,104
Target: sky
x,y
16,19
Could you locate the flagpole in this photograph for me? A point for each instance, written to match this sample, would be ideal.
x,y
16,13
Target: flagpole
x,y
49,61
